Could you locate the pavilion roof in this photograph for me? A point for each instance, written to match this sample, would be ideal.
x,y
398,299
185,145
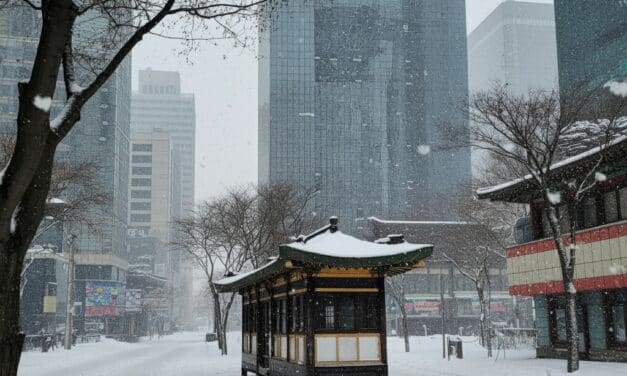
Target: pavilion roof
x,y
330,247
522,190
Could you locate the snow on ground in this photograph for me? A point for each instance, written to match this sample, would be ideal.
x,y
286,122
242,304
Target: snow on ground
x,y
178,354
425,359
187,354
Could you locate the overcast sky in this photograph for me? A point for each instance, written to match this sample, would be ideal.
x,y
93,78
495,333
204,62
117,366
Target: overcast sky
x,y
224,81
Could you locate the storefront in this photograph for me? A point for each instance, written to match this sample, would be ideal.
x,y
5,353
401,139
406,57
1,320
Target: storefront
x,y
533,268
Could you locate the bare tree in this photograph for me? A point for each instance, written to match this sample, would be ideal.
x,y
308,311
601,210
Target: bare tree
x,y
208,241
528,132
396,289
241,229
26,178
476,268
267,216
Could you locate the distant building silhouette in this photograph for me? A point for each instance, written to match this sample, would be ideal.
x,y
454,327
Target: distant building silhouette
x,y
514,45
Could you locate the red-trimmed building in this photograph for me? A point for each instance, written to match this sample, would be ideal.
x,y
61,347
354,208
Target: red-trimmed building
x,y
601,258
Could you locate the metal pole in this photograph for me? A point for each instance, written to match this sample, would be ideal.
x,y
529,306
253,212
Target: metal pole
x,y
442,312
69,309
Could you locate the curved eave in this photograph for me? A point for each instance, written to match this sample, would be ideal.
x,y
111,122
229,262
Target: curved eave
x,y
391,264
523,190
405,258
265,272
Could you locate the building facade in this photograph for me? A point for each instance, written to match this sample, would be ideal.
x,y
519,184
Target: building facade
x,y
353,100
159,103
591,42
154,192
101,138
423,287
515,45
600,276
159,106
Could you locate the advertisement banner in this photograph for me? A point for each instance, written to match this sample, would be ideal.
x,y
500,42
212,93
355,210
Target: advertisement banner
x,y
100,298
133,300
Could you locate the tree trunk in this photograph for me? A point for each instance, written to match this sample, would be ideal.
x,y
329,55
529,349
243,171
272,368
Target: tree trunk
x,y
405,331
224,324
487,304
11,339
482,326
27,176
12,253
571,332
217,322
567,264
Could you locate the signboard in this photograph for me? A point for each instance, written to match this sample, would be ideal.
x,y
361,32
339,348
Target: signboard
x,y
100,298
50,304
133,300
423,307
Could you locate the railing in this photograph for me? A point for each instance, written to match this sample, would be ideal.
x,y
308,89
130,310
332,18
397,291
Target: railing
x,y
515,338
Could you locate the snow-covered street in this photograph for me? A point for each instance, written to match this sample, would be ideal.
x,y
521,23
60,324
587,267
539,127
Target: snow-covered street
x,y
187,354
178,354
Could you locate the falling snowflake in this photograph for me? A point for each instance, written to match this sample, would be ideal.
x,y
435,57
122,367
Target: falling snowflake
x,y
617,88
554,197
423,149
600,177
617,268
42,103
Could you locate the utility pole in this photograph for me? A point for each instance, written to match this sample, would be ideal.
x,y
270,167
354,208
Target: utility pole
x,y
69,309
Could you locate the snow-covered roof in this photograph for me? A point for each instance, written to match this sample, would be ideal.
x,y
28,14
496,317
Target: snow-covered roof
x,y
330,247
394,221
618,144
338,244
239,277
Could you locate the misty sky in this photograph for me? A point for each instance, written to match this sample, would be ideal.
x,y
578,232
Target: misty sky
x,y
224,81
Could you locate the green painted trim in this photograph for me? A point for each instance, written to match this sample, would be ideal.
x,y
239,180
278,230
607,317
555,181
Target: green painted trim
x,y
293,254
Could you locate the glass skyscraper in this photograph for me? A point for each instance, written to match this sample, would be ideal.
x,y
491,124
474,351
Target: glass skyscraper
x,y
101,137
354,99
591,41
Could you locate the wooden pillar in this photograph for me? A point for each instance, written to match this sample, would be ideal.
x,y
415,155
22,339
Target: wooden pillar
x,y
310,316
258,328
288,316
272,319
382,318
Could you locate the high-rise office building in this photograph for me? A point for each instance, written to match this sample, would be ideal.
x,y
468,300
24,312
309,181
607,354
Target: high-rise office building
x,y
159,103
102,138
515,46
591,42
354,96
154,194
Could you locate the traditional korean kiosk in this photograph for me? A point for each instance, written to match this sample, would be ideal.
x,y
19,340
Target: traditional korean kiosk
x,y
319,307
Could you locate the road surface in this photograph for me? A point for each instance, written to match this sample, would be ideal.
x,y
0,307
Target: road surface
x,y
178,354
